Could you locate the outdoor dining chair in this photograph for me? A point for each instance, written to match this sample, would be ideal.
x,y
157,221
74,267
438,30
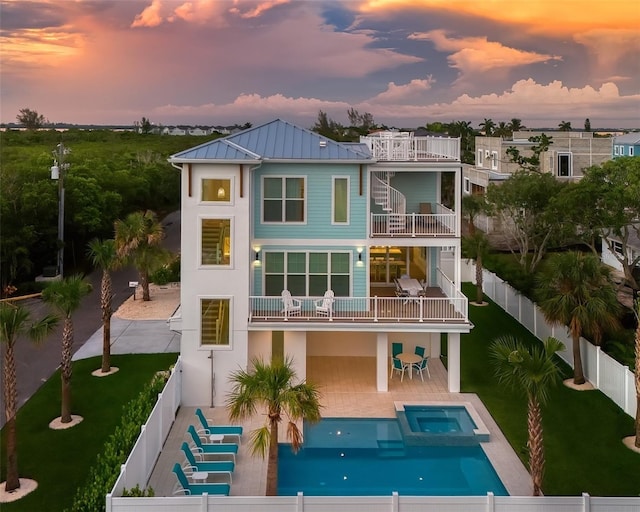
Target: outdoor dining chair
x,y
398,366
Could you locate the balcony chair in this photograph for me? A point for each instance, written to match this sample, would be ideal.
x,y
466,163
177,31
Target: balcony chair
x,y
209,428
324,306
207,466
291,306
188,488
398,366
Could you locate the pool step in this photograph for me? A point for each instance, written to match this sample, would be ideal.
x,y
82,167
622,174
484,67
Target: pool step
x,y
390,449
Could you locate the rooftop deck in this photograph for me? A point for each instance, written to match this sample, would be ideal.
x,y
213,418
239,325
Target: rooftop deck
x,y
404,147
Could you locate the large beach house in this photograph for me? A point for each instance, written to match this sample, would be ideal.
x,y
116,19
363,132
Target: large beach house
x,y
295,244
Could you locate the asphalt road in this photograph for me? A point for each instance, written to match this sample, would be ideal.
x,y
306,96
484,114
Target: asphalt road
x,y
36,364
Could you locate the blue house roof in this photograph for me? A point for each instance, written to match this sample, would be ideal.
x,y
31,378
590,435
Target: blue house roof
x,y
276,140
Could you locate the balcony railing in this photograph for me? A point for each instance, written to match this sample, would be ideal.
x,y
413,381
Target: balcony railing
x,y
403,146
442,223
364,310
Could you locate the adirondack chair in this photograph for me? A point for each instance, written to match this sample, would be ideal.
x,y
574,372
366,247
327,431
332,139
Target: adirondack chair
x,y
324,306
290,306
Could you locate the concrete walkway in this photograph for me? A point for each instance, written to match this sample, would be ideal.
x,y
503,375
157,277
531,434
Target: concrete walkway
x,y
132,337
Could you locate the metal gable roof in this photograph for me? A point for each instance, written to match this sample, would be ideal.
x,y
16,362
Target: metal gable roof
x,y
276,140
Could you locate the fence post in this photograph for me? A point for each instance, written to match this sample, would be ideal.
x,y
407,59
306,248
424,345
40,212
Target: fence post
x,y
395,505
491,502
598,354
627,403
586,502
300,502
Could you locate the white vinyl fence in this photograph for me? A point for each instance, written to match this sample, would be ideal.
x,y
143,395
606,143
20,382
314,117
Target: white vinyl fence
x,y
605,373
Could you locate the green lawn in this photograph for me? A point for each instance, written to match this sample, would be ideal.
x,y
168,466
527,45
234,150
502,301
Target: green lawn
x,y
59,460
583,430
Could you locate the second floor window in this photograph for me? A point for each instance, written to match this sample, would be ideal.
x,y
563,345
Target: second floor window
x,y
216,242
340,201
283,199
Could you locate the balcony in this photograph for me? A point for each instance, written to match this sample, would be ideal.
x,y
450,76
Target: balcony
x,y
440,224
364,310
404,147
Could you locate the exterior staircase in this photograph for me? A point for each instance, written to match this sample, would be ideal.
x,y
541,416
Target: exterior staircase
x,y
390,199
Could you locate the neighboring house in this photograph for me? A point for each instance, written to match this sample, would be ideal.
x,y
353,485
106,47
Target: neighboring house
x,y
626,145
614,250
278,207
568,155
174,130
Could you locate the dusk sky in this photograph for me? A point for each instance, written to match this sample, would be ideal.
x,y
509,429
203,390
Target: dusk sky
x,y
407,62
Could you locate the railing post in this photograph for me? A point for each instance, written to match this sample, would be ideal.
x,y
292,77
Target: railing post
x,y
598,354
375,308
586,502
300,502
395,502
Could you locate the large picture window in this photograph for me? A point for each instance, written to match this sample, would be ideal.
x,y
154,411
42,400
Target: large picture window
x,y
307,274
340,201
216,242
214,321
283,199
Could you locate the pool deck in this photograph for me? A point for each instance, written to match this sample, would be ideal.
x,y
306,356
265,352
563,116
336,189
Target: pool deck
x,y
348,389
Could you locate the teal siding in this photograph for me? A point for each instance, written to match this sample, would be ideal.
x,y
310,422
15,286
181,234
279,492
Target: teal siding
x,y
417,188
358,274
318,202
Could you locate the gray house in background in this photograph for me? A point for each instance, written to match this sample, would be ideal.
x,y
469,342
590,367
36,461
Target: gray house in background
x,y
626,145
569,154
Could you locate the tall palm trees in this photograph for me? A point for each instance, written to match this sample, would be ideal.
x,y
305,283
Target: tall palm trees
x,y
138,239
564,126
273,387
103,254
15,321
477,246
487,126
532,370
574,289
65,297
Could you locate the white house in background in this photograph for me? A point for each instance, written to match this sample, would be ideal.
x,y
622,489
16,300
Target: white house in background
x,y
614,251
277,207
567,157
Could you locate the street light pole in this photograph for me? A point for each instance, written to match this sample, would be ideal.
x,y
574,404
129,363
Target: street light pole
x,y
57,173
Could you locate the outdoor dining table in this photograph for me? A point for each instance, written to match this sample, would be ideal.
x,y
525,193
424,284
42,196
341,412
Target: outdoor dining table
x,y
411,286
409,359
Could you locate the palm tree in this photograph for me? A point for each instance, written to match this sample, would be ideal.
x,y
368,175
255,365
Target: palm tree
x,y
564,126
138,239
515,125
487,126
15,321
575,289
103,254
273,387
65,297
477,246
502,130
534,371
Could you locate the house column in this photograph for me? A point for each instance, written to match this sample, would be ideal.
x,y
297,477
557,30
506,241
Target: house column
x,y
295,348
382,356
453,358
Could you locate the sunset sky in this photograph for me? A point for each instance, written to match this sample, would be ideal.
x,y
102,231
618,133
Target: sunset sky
x,y
407,62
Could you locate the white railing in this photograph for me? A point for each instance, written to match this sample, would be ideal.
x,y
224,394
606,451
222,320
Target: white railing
x,y
142,459
392,503
453,307
606,374
402,146
413,224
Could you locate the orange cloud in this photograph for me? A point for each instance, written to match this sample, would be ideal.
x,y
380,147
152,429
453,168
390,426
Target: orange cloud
x,y
415,89
150,17
477,55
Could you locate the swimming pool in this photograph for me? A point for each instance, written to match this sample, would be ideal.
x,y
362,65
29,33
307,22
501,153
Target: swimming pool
x,y
368,457
439,420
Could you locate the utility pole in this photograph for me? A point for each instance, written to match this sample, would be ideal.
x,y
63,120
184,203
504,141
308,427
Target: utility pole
x,y
57,173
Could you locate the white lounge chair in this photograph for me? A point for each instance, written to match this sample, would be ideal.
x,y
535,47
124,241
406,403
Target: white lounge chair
x,y
291,306
324,306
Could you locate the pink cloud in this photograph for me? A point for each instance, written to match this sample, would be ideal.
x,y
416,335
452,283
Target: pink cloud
x,y
150,17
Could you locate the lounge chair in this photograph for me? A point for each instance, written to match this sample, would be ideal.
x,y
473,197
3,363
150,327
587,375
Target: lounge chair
x,y
324,306
197,489
207,448
211,466
226,430
290,306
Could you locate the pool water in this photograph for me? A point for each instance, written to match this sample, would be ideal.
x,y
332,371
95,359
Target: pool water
x,y
368,457
439,419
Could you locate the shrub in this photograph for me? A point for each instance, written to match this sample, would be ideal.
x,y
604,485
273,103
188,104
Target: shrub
x,y
136,492
169,273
